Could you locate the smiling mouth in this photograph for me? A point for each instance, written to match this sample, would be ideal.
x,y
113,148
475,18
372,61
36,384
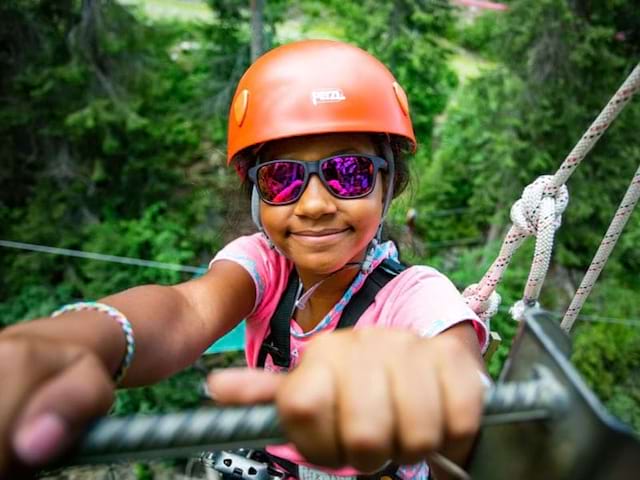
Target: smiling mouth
x,y
320,233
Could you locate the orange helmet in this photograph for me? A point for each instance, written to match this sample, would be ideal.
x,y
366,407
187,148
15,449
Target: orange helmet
x,y
315,86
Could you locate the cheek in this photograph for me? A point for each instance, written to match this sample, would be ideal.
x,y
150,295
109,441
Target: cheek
x,y
366,213
274,219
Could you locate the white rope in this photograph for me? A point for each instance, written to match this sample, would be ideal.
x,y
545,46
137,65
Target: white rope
x,y
609,241
539,212
100,256
630,87
538,215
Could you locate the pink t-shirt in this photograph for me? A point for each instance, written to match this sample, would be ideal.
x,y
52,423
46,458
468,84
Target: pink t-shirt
x,y
420,299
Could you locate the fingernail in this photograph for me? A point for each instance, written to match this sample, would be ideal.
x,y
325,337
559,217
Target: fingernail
x,y
40,439
214,378
207,391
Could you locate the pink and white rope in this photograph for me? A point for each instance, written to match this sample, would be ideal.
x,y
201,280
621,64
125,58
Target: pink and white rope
x,y
609,241
539,212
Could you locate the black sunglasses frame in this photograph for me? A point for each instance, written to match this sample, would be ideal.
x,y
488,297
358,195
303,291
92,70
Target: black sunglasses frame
x,y
314,168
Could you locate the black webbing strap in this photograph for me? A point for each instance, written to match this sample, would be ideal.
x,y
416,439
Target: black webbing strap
x,y
278,342
381,275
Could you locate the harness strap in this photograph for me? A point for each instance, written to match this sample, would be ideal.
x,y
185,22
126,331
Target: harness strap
x,y
386,271
278,342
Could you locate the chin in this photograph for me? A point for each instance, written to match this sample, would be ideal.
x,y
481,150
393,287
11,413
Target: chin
x,y
320,266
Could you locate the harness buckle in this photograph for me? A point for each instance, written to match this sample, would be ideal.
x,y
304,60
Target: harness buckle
x,y
231,466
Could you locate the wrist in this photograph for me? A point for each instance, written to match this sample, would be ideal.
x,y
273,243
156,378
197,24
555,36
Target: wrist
x,y
116,316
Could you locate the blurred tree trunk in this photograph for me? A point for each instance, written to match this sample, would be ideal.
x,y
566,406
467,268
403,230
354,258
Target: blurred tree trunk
x,y
257,28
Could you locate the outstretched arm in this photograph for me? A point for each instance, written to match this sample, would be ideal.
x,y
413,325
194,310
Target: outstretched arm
x,y
56,373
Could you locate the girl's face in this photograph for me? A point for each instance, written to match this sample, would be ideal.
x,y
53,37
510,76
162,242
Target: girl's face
x,y
321,233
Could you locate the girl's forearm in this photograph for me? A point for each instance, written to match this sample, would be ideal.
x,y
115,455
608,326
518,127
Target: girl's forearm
x,y
158,317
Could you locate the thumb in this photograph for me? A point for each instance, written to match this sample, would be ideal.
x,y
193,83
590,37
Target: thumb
x,y
244,385
60,410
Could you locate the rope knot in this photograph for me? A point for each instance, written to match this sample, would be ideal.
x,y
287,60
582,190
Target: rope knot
x,y
519,308
485,309
532,210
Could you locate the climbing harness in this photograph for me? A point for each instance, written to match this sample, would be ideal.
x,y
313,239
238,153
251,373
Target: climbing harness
x,y
278,343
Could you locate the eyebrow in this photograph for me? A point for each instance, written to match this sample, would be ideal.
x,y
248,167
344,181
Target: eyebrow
x,y
341,151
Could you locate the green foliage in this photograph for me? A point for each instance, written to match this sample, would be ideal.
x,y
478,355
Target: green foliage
x,y
143,472
558,64
182,391
608,356
107,148
520,121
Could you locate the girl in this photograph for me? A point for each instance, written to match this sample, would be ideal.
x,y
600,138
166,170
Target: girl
x,y
318,128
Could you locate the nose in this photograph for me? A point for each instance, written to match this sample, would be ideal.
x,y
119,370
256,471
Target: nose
x,y
315,201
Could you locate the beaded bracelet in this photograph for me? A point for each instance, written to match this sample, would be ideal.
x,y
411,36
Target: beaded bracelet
x,y
118,317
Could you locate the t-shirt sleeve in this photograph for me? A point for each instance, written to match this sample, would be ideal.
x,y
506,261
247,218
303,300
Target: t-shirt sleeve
x,y
263,264
427,302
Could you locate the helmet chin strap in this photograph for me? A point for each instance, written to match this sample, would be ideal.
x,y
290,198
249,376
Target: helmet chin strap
x,y
387,152
365,265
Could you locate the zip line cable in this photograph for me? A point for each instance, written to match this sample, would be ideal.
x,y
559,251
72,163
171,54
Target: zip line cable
x,y
632,322
101,257
200,270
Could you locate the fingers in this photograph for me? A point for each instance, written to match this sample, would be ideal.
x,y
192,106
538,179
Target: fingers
x,y
365,411
363,397
462,398
243,386
50,392
61,408
307,407
418,404
39,364
336,405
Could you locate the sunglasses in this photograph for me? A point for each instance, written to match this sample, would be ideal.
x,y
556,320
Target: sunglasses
x,y
280,182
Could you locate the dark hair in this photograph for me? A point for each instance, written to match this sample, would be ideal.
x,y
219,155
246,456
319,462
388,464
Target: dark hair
x,y
400,146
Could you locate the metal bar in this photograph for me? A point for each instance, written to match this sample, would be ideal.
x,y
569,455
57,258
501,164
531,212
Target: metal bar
x,y
188,433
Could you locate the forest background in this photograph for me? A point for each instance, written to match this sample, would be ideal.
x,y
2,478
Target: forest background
x,y
113,121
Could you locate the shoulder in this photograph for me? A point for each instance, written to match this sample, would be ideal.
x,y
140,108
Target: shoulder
x,y
255,245
267,267
425,300
254,253
415,285
420,276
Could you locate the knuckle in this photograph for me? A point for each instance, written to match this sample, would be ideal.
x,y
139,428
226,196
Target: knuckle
x,y
365,446
16,351
450,347
463,427
464,414
296,410
415,446
100,389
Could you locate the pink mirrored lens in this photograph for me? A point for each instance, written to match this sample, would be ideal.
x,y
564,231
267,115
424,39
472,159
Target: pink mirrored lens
x,y
348,176
281,182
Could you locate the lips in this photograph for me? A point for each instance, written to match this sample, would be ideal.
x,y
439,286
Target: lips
x,y
325,232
